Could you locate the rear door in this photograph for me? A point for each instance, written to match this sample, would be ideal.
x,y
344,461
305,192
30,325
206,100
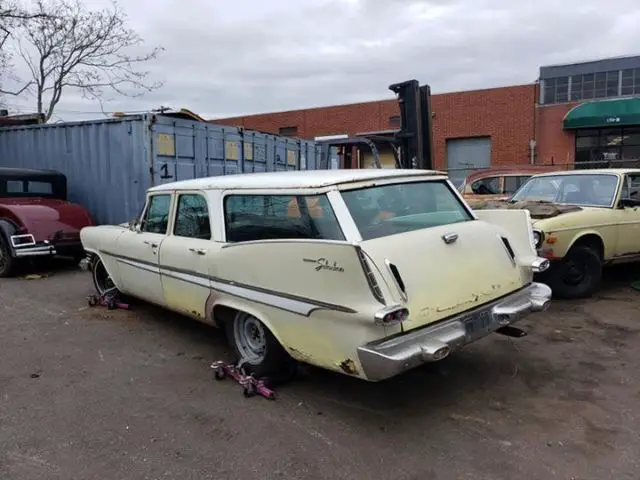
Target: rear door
x,y
186,255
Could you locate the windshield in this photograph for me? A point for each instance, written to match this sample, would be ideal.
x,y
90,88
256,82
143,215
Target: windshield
x,y
580,189
398,208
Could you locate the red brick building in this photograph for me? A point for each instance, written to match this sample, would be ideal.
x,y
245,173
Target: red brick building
x,y
500,126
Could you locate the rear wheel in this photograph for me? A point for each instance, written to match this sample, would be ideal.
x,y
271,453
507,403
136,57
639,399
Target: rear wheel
x,y
578,274
7,262
256,348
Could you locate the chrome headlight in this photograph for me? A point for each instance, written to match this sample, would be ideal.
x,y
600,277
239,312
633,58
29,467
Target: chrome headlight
x,y
538,238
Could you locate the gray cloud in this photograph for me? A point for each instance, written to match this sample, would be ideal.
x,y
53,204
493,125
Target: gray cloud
x,y
251,56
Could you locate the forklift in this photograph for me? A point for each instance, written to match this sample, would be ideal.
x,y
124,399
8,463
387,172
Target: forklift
x,y
412,144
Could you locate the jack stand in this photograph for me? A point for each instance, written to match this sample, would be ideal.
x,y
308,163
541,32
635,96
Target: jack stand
x,y
109,300
251,386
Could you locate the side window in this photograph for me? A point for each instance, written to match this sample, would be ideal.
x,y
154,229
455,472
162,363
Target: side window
x,y
192,217
264,217
631,187
156,218
486,186
513,183
15,186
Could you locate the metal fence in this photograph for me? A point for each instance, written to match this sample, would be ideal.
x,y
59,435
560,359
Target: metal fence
x,y
466,172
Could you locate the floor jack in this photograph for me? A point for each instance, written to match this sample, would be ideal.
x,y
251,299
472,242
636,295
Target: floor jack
x,y
108,299
251,385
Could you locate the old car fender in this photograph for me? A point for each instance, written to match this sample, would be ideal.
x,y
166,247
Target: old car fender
x,y
581,236
240,305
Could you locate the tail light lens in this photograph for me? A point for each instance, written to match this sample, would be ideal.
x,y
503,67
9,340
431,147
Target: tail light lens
x,y
391,316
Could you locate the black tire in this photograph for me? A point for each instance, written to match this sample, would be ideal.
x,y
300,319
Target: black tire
x,y
97,272
7,262
577,275
274,361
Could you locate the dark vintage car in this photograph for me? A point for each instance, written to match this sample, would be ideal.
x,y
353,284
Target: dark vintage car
x,y
36,219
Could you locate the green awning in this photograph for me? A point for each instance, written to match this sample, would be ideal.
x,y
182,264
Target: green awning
x,y
604,113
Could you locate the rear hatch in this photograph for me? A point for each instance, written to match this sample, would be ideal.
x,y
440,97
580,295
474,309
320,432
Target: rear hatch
x,y
443,279
419,232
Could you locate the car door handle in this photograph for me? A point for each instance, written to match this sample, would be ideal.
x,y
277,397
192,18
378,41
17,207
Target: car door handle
x,y
199,251
151,244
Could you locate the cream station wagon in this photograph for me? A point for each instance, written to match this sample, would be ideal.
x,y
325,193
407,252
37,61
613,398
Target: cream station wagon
x,y
364,272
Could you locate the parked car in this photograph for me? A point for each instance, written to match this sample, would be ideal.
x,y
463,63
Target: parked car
x,y
583,221
498,183
36,219
364,272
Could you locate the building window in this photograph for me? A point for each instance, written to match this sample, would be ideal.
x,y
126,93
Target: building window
x,y
394,121
607,147
289,131
630,83
611,84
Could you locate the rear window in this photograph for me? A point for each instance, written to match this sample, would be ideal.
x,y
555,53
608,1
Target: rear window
x,y
390,209
29,187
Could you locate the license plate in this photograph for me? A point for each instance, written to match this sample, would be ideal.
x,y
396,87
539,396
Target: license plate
x,y
478,323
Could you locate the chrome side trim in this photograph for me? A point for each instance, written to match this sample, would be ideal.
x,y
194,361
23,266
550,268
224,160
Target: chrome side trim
x,y
283,301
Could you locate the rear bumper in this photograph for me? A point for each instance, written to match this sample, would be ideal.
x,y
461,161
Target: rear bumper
x,y
389,357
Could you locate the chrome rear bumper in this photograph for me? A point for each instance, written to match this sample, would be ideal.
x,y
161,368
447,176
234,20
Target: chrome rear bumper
x,y
389,357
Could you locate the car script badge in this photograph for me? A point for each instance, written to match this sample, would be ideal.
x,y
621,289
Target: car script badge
x,y
323,264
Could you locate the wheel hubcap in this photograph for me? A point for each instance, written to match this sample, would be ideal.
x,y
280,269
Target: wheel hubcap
x,y
249,337
574,273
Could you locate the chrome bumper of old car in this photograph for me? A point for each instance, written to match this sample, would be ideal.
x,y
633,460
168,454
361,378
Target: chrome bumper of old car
x,y
34,251
389,357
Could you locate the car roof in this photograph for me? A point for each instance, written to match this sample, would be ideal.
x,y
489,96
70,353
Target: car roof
x,y
26,171
508,170
291,179
587,171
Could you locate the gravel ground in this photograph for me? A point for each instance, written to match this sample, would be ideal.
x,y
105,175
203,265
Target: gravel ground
x,y
94,394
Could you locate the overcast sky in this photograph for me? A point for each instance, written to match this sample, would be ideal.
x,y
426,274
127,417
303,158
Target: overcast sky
x,y
225,58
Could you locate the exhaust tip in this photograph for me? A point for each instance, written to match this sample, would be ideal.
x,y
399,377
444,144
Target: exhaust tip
x,y
434,353
541,304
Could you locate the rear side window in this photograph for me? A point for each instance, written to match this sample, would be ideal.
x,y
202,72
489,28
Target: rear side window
x,y
266,217
513,183
486,186
399,208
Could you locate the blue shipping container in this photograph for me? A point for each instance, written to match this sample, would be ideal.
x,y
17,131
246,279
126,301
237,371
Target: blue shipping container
x,y
110,163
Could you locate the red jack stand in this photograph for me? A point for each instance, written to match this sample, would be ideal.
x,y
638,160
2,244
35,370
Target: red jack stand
x,y
109,301
251,386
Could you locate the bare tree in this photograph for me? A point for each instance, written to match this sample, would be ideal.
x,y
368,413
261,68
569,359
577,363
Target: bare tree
x,y
11,16
69,47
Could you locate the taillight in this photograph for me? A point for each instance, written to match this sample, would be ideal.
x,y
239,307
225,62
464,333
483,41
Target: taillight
x,y
391,316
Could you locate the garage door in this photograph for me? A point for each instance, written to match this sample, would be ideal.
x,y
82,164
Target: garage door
x,y
464,155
